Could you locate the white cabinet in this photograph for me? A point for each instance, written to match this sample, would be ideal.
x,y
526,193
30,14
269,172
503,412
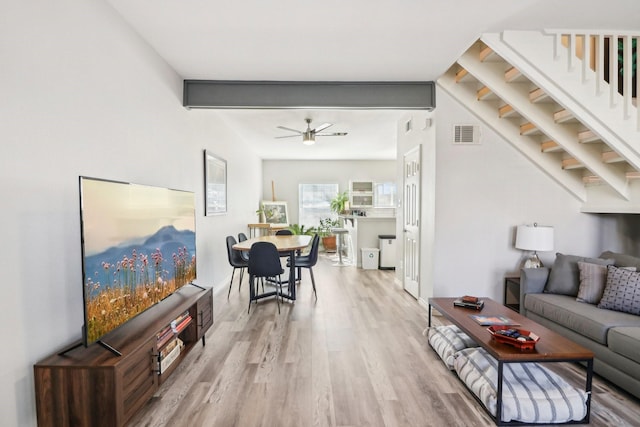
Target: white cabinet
x,y
361,194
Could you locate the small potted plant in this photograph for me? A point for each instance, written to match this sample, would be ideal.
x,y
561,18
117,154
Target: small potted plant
x,y
324,231
338,204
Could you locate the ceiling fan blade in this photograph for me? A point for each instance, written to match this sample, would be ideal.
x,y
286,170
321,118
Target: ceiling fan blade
x,y
321,127
332,134
291,130
287,136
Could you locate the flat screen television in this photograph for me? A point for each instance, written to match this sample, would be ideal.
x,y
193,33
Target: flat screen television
x,y
138,247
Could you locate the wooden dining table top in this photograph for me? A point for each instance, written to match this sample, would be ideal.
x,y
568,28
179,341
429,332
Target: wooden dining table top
x,y
282,242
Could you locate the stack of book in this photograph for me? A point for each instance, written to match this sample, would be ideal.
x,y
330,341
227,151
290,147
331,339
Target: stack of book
x,y
181,322
170,353
168,344
469,301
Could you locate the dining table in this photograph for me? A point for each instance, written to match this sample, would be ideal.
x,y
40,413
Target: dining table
x,y
283,243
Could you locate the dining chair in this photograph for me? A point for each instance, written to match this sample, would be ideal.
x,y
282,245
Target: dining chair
x,y
236,261
241,238
287,232
310,260
264,263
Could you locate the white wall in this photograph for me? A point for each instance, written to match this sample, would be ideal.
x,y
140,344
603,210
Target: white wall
x,y
83,95
483,192
287,174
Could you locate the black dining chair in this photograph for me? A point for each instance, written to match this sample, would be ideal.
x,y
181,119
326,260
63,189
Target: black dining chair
x,y
287,232
241,238
264,263
310,260
236,261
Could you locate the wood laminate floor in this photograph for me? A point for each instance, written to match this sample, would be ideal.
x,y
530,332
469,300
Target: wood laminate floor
x,y
355,357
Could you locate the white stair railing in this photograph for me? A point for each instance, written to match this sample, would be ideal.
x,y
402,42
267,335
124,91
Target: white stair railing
x,y
587,49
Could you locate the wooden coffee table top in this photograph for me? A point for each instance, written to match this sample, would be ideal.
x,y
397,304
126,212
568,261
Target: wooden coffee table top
x,y
551,346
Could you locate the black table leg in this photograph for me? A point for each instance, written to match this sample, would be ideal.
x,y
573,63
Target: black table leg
x,y
499,397
292,274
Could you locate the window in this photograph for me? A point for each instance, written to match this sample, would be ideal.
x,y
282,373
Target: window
x,y
384,194
314,201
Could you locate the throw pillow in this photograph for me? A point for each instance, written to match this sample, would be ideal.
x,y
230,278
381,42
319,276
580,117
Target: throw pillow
x,y
593,279
622,292
564,277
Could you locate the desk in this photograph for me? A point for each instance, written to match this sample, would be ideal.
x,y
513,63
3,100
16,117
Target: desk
x,y
283,244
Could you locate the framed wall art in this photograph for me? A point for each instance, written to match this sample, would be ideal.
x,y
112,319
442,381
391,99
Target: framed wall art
x,y
275,212
215,184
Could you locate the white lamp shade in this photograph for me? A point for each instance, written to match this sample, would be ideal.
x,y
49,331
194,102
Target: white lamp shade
x,y
534,238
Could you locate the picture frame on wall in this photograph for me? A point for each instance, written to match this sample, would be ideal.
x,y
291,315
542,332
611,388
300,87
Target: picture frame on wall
x,y
275,213
215,184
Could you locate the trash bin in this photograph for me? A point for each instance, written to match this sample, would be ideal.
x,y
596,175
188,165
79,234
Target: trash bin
x,y
387,251
370,258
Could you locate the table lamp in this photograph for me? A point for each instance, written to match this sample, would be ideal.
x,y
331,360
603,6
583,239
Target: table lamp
x,y
534,238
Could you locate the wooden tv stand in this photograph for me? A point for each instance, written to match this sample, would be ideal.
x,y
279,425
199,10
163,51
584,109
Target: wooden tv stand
x,y
91,386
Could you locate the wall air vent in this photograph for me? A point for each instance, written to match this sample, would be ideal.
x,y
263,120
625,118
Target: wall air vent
x,y
466,134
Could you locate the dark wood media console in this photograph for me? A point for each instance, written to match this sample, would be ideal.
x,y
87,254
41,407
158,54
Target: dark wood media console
x,y
91,386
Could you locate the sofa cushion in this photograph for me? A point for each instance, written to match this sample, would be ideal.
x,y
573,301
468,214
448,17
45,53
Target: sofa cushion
x,y
585,319
626,342
530,393
593,279
622,292
622,260
564,277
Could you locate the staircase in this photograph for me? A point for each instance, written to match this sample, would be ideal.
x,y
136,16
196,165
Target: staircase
x,y
547,94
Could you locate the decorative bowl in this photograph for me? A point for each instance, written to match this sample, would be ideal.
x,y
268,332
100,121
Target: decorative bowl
x,y
519,338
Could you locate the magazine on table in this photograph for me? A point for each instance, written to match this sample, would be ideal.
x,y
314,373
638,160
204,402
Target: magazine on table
x,y
490,320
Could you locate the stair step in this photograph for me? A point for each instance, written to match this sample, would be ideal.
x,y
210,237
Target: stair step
x,y
611,157
550,147
588,136
539,95
462,75
529,129
507,111
591,179
564,116
571,163
485,93
633,175
487,54
513,75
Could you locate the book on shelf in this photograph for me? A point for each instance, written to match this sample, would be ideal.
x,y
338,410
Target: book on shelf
x,y
492,320
169,347
165,337
183,324
180,321
460,302
172,356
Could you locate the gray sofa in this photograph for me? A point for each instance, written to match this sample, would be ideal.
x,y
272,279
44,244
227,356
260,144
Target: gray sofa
x,y
551,298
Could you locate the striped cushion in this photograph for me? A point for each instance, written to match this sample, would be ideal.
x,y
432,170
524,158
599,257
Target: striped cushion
x,y
447,340
530,392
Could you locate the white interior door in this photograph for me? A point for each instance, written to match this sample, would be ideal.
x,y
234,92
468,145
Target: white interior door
x,y
411,226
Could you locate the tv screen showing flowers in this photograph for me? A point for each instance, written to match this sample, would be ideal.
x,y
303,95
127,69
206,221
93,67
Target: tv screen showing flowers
x,y
138,247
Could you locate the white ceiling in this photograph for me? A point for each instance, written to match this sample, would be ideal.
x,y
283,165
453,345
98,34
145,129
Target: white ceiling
x,y
340,40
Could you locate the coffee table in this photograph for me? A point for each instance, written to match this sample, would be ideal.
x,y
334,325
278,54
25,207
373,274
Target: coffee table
x,y
552,346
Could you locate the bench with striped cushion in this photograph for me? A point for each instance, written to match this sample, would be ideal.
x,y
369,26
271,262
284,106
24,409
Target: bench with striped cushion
x,y
448,340
531,393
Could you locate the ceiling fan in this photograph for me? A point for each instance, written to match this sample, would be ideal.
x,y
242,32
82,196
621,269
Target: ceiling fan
x,y
309,135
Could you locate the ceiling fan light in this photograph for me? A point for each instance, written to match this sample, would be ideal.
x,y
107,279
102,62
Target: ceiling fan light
x,y
308,139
